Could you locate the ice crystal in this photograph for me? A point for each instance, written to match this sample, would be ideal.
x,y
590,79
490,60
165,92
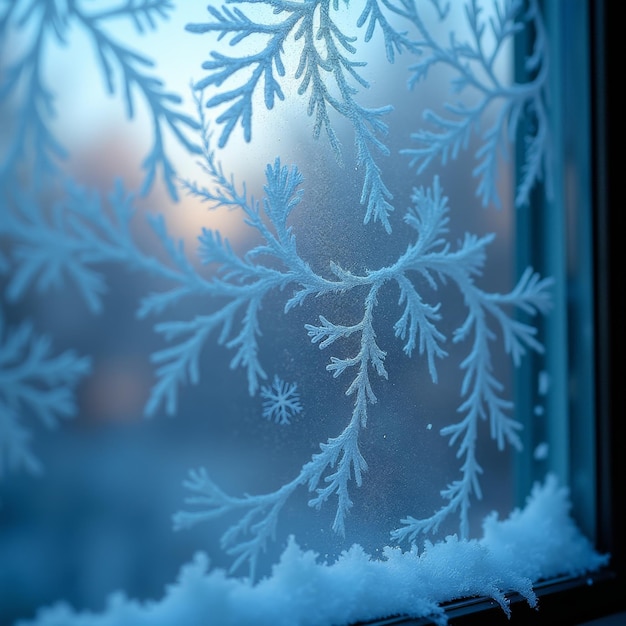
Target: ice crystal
x,y
280,401
85,231
33,383
22,82
245,281
82,235
327,65
66,242
517,107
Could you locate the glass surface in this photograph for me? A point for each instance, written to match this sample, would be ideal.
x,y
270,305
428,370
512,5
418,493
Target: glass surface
x,y
394,291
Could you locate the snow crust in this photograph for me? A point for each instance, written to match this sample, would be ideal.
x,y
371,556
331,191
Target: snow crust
x,y
538,542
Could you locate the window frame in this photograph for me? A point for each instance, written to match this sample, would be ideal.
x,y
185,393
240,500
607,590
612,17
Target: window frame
x,y
571,601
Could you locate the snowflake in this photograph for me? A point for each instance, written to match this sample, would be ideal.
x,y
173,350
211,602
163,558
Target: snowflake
x,y
280,401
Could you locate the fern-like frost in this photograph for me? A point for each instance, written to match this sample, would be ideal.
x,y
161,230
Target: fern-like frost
x,y
520,106
68,242
327,73
23,83
329,472
34,383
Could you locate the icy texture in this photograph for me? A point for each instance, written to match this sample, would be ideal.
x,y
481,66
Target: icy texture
x,y
331,76
427,265
540,541
65,244
280,401
123,71
33,383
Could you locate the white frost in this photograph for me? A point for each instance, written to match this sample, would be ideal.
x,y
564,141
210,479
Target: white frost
x,y
538,542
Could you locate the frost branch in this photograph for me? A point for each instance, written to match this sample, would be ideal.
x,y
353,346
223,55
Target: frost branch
x,y
33,382
24,80
430,256
516,105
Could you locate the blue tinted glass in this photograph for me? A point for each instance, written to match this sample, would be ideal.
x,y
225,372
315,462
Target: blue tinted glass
x,y
289,277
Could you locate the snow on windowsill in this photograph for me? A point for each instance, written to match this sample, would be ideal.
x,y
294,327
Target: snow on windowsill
x,y
539,542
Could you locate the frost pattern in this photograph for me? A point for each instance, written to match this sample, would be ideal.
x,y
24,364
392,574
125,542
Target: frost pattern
x,y
314,67
537,542
22,84
245,281
33,382
280,401
67,244
328,72
84,231
522,106
82,235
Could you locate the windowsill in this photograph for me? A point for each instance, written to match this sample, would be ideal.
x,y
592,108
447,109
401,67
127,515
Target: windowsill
x,y
564,601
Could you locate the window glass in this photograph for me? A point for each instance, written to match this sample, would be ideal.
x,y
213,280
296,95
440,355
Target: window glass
x,y
309,281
